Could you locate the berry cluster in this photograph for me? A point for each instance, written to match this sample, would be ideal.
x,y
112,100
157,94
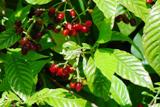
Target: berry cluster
x,y
27,45
67,28
60,71
126,20
78,86
25,42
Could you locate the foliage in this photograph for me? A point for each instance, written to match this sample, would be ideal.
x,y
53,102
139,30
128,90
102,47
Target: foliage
x,y
79,53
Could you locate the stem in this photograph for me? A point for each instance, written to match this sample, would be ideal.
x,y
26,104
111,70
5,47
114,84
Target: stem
x,y
154,100
59,85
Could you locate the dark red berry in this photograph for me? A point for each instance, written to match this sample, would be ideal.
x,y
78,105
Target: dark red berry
x,y
140,105
24,50
51,11
125,19
73,32
68,26
18,23
60,16
53,69
84,29
88,23
133,22
38,35
24,41
72,13
38,12
19,30
72,85
149,1
119,18
60,72
65,32
79,86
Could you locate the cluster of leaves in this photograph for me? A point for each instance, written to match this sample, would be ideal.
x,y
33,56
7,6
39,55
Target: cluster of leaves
x,y
116,61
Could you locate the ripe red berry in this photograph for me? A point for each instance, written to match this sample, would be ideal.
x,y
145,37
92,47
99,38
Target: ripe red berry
x,y
79,86
68,26
60,72
72,13
24,41
60,16
65,32
149,1
69,69
72,85
73,32
51,11
84,29
53,68
77,26
88,23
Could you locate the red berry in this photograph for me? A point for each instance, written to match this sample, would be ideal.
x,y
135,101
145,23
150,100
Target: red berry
x,y
140,105
60,16
84,29
24,50
69,69
73,33
60,72
72,13
72,85
51,11
53,68
68,26
79,86
38,35
77,27
24,41
149,1
65,32
88,23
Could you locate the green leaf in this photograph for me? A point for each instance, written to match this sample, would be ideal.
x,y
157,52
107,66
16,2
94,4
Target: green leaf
x,y
117,36
39,2
7,99
119,92
98,84
138,42
151,38
125,29
104,26
105,62
56,98
19,76
37,66
8,38
108,7
105,31
138,7
124,64
71,50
